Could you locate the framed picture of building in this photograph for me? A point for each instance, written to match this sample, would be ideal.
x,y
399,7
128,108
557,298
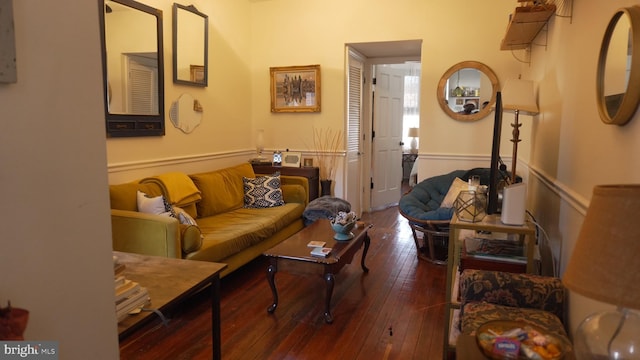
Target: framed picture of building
x,y
295,88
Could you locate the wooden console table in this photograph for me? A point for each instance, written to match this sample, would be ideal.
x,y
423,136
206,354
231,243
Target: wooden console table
x,y
169,281
311,173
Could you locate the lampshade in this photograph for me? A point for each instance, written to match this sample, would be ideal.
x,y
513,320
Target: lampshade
x,y
413,132
605,265
518,95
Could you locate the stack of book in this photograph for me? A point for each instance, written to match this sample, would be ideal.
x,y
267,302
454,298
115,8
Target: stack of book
x,y
130,297
493,254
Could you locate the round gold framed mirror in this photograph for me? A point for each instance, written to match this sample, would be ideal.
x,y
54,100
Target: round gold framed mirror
x,y
618,76
467,91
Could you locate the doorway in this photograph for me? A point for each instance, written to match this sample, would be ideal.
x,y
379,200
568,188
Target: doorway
x,y
385,139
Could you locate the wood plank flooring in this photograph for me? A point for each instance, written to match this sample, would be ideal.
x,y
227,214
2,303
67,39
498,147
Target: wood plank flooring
x,y
396,311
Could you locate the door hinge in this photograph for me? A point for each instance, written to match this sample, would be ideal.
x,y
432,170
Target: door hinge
x,y
371,184
373,81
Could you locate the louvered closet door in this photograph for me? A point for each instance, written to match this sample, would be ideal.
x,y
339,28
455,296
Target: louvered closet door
x,y
353,184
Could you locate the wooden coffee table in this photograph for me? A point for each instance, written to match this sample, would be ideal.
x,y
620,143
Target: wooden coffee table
x,y
293,256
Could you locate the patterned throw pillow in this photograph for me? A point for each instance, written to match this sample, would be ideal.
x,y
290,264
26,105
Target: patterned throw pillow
x,y
184,217
262,191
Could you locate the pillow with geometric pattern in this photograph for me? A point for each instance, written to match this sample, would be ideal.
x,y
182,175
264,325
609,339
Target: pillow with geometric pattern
x,y
262,191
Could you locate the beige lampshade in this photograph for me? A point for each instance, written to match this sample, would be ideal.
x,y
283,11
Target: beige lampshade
x,y
605,264
518,95
413,132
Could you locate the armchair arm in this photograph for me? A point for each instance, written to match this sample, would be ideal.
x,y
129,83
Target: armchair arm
x,y
146,234
516,290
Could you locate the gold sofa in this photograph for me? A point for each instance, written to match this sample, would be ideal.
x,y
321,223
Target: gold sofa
x,y
225,231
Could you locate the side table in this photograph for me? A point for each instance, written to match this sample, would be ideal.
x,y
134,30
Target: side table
x,y
169,281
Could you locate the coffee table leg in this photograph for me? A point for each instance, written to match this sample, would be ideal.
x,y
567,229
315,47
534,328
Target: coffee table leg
x,y
367,241
271,273
327,311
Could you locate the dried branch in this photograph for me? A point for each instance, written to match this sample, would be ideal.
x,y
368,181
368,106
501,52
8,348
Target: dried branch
x,y
326,142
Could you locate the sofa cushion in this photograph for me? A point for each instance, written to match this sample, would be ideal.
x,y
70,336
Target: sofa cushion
x,y
228,233
222,190
262,191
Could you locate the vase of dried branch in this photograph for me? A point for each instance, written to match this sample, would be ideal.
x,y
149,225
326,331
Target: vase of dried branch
x,y
325,187
327,142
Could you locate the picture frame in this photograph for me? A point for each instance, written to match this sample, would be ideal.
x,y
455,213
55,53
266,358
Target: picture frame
x,y
291,159
295,88
307,162
197,73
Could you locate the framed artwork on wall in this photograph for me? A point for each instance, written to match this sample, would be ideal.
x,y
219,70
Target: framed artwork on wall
x,y
295,88
197,74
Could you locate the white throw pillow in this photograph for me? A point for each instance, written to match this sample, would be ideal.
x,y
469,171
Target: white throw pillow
x,y
154,205
456,186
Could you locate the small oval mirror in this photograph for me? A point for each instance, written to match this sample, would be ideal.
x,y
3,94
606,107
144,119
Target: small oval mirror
x,y
467,91
618,81
186,113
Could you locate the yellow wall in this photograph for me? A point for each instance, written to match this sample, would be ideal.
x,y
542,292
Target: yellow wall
x,y
226,119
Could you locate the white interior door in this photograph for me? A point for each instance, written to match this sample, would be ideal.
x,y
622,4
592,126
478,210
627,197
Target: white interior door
x,y
386,166
353,182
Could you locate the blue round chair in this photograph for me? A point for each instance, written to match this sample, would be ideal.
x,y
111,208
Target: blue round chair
x,y
421,207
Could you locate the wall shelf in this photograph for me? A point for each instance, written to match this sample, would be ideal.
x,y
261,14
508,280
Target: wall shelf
x,y
525,24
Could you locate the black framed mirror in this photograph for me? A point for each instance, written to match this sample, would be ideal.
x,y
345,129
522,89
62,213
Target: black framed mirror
x,y
132,68
467,91
618,77
190,46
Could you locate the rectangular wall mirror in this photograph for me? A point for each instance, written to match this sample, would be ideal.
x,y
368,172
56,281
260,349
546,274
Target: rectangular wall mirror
x,y
190,49
133,70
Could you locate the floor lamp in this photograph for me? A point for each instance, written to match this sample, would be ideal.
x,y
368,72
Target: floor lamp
x,y
518,97
604,266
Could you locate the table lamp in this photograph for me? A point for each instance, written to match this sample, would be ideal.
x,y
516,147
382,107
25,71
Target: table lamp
x,y
517,97
605,267
413,133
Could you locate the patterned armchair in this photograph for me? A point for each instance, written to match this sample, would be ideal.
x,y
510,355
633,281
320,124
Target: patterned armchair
x,y
492,295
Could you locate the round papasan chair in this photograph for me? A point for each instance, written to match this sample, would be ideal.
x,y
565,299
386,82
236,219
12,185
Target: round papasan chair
x,y
421,206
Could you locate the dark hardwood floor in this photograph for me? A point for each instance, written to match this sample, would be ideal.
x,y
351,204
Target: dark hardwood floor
x,y
396,311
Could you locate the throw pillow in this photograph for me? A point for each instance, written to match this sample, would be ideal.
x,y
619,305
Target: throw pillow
x,y
456,186
262,191
184,217
154,205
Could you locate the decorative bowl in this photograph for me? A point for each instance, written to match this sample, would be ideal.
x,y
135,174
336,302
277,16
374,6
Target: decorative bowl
x,y
343,231
503,339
